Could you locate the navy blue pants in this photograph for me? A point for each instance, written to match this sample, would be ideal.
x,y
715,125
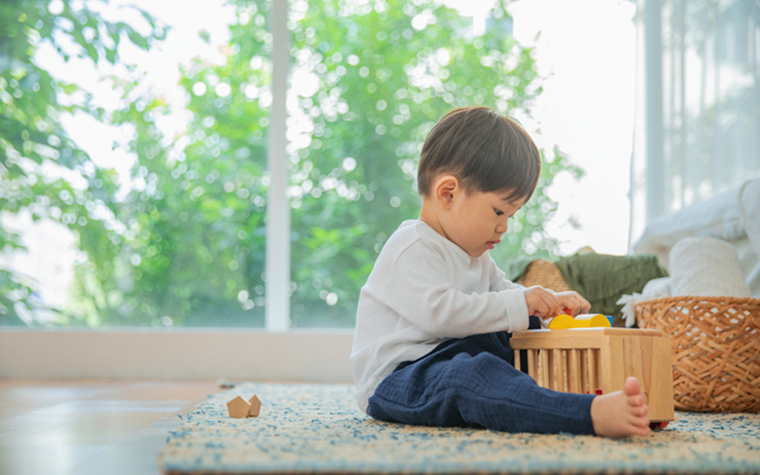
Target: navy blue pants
x,y
472,382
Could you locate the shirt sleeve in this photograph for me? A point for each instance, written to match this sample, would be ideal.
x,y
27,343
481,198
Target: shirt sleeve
x,y
420,290
498,280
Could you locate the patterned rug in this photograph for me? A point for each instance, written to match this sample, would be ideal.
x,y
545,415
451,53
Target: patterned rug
x,y
317,428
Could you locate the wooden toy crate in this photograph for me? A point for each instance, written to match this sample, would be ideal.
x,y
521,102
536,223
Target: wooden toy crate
x,y
594,360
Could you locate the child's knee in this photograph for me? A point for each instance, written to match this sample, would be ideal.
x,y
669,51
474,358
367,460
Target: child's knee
x,y
480,370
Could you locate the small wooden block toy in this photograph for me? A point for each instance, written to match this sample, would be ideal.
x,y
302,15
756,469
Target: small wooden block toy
x,y
598,361
595,320
255,406
238,407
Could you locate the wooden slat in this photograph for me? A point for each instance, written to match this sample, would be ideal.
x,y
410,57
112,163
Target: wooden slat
x,y
552,370
597,368
575,372
545,369
532,364
583,368
580,338
661,395
612,365
559,369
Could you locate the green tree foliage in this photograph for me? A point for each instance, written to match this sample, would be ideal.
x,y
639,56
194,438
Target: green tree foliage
x,y
386,74
200,254
368,82
36,154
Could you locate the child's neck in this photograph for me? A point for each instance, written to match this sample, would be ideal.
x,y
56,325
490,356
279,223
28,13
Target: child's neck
x,y
429,216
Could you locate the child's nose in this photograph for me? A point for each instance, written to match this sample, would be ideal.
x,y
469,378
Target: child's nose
x,y
501,228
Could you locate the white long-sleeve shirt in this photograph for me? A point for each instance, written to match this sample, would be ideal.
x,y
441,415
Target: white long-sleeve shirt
x,y
424,290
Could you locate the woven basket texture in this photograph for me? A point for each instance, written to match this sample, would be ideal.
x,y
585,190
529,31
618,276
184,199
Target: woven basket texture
x,y
716,350
544,273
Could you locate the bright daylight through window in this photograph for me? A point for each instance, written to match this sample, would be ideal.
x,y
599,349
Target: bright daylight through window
x,y
134,146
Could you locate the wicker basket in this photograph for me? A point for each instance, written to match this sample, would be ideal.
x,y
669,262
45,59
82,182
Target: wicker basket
x,y
544,273
716,350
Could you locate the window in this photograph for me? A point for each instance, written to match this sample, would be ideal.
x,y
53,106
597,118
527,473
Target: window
x,y
368,82
142,198
185,222
699,88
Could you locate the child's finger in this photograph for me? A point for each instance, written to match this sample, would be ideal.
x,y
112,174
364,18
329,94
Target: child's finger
x,y
553,305
546,308
575,305
566,306
580,306
550,308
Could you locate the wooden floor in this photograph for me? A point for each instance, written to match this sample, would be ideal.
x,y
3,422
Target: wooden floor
x,y
84,427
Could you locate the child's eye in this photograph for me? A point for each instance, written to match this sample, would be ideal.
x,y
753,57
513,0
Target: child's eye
x,y
498,213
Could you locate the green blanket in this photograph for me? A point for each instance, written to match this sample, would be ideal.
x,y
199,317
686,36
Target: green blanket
x,y
600,278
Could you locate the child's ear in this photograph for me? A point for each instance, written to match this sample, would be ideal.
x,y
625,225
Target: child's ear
x,y
446,188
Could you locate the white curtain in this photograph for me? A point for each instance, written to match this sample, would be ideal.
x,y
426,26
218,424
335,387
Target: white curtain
x,y
698,104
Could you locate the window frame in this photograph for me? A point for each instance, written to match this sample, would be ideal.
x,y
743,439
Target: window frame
x,y
275,353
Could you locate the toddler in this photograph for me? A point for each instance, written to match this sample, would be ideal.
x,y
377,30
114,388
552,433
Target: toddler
x,y
431,344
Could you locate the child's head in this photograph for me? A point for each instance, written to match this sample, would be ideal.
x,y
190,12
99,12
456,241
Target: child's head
x,y
485,151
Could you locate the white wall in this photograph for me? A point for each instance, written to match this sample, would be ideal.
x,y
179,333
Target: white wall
x,y
315,356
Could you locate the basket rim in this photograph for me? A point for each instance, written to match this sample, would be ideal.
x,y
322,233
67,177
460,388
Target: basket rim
x,y
699,298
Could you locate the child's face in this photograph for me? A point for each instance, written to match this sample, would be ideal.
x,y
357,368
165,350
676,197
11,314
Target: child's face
x,y
477,221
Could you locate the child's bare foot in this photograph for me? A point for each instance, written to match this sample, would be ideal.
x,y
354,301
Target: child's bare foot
x,y
622,413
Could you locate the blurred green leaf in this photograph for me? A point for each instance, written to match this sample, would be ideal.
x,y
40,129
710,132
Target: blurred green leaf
x,y
187,247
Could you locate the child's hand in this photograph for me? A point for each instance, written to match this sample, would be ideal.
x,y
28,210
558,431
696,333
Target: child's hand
x,y
572,303
542,302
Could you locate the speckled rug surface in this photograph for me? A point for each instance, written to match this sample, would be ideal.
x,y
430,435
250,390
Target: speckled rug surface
x,y
318,429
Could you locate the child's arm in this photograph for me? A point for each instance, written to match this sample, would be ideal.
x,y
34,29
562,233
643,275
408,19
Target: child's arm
x,y
542,302
498,279
420,289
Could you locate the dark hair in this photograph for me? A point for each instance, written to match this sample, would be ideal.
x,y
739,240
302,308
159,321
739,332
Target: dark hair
x,y
486,152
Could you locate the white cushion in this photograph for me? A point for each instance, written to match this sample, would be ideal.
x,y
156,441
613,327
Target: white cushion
x,y
733,216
